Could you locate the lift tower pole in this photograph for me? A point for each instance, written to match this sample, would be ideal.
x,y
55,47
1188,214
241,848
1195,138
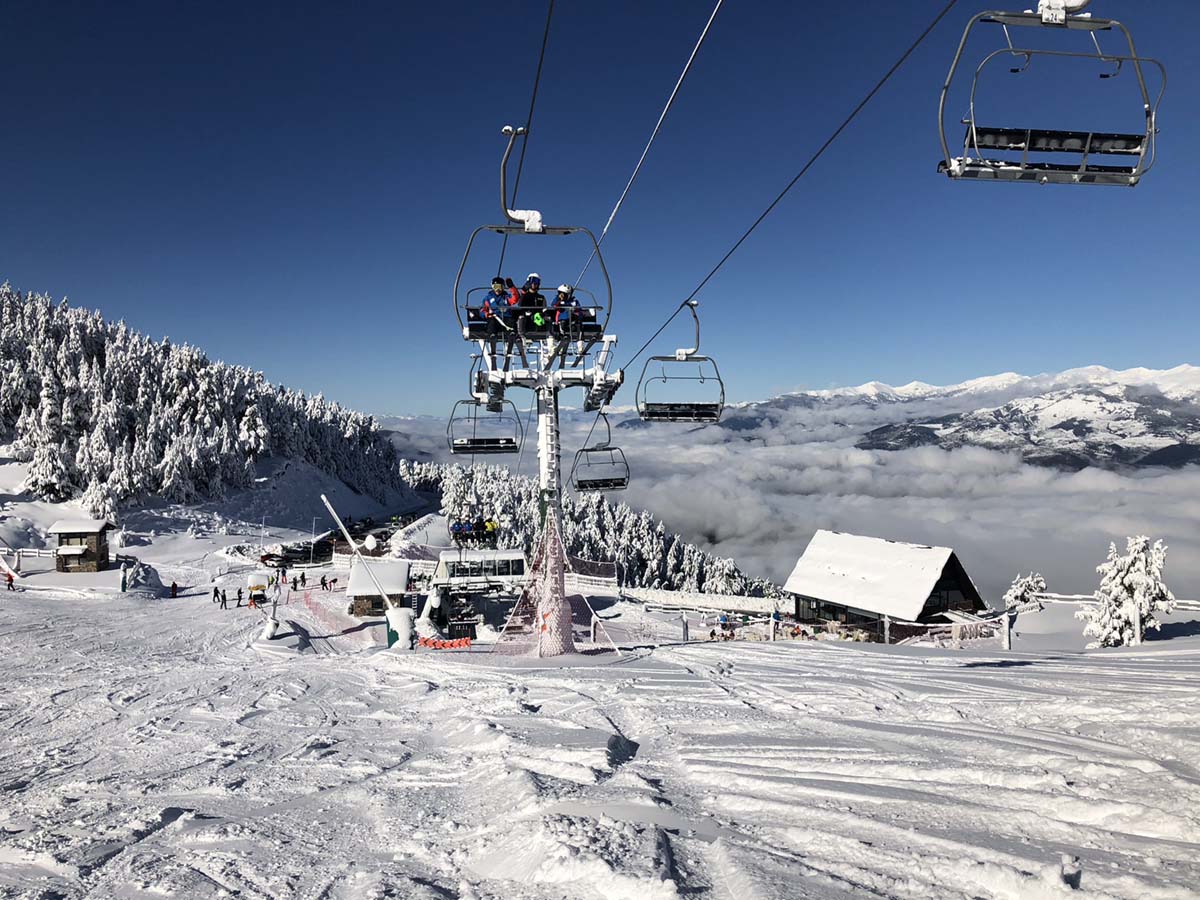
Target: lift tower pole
x,y
551,358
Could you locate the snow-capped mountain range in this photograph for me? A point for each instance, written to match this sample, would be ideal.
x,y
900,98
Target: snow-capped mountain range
x,y
1091,416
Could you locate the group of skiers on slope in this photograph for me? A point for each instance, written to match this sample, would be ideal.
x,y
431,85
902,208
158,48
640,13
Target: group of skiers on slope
x,y
482,532
219,595
513,312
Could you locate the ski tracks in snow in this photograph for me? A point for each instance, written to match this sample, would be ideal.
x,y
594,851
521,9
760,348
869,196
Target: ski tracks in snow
x,y
154,751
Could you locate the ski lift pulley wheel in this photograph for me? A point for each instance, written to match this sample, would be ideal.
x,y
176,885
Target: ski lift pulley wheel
x,y
1072,151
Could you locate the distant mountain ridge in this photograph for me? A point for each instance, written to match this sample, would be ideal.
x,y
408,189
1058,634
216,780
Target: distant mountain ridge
x,y
1090,416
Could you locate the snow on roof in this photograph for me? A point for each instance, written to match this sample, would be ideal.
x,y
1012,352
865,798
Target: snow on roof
x,y
79,526
392,575
886,577
71,551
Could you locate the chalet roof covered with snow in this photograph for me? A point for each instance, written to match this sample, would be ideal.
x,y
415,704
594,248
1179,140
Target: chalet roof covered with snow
x,y
890,578
392,575
79,526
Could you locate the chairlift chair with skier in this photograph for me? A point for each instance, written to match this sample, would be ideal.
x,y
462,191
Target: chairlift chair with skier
x,y
686,387
1016,154
535,326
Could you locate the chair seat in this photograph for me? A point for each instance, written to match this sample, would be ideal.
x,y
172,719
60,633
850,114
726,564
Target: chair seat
x,y
484,445
601,484
1040,172
1041,140
680,412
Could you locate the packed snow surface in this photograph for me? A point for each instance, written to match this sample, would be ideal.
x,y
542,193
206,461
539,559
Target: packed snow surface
x,y
159,748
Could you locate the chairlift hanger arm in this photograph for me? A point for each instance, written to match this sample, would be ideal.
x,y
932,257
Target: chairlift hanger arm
x,y
513,134
683,353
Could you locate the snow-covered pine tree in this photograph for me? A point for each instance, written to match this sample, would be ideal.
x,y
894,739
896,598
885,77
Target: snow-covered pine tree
x,y
177,417
646,554
1131,592
1025,588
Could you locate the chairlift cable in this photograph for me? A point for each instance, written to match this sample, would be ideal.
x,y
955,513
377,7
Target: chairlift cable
x,y
833,137
537,78
808,165
645,152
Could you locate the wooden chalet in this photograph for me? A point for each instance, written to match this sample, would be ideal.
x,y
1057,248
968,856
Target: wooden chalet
x,y
860,580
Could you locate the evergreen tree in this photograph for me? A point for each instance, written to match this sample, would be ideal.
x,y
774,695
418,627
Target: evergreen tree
x,y
1131,592
1025,589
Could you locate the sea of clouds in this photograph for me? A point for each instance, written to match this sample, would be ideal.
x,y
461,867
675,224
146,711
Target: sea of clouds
x,y
758,491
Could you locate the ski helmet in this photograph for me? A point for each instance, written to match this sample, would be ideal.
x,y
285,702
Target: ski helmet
x,y
564,289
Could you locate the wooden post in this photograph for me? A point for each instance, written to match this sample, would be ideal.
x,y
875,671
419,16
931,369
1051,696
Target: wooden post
x,y
887,629
683,618
1010,617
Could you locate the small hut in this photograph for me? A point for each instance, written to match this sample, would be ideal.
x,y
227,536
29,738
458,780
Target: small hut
x,y
82,544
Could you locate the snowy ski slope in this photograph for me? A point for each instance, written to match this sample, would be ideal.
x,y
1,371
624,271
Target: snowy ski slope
x,y
153,748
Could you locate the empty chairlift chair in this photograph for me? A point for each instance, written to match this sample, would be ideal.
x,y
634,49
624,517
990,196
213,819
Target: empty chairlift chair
x,y
1020,154
473,430
600,467
686,387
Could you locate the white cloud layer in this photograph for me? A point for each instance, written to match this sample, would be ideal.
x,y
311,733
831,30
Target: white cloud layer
x,y
758,493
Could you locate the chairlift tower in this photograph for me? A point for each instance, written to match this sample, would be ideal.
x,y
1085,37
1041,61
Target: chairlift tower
x,y
541,357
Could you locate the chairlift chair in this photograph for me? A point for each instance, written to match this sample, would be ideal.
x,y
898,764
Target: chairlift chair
x,y
983,144
600,467
522,222
686,387
473,430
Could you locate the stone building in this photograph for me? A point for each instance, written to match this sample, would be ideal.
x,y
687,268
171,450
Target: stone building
x,y
82,544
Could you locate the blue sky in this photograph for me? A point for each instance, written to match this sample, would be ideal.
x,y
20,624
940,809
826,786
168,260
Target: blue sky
x,y
291,186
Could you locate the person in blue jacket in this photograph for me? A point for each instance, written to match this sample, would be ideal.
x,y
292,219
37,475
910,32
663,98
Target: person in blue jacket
x,y
565,310
495,310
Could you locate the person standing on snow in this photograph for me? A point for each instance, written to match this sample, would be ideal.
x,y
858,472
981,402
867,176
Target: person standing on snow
x,y
303,582
239,597
324,583
224,601
8,577
216,594
174,590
